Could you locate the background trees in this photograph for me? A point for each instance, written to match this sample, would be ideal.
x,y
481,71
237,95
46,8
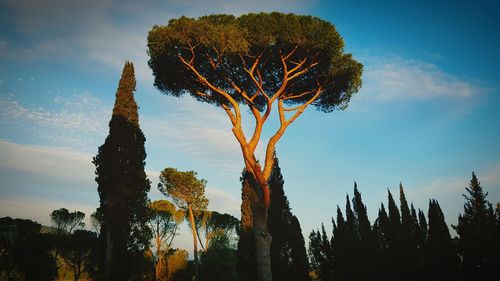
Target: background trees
x,y
164,223
405,244
123,185
25,252
188,193
257,60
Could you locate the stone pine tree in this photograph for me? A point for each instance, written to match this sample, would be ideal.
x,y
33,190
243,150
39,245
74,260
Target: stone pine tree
x,y
288,254
440,257
477,235
188,193
260,61
123,185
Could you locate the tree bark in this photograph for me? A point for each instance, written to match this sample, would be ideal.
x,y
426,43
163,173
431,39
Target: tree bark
x,y
261,235
195,242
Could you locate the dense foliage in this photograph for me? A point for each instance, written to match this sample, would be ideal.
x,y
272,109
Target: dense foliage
x,y
123,185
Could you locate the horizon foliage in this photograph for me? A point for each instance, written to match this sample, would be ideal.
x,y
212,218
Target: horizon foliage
x,y
403,244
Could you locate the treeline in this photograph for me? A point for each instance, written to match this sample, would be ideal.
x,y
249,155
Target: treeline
x,y
405,244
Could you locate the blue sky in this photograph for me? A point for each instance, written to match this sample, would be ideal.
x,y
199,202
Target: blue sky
x,y
427,116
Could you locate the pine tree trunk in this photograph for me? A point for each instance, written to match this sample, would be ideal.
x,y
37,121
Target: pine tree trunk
x,y
195,242
262,241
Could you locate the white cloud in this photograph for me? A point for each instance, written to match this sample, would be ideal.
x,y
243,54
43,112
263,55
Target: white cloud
x,y
46,162
389,78
223,202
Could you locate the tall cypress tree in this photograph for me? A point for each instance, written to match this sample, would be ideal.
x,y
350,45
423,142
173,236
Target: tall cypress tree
x,y
408,251
123,185
477,235
440,257
299,266
246,245
394,240
366,250
288,255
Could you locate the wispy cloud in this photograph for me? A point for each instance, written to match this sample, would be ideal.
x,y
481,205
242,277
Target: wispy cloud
x,y
74,121
390,78
109,32
47,163
448,191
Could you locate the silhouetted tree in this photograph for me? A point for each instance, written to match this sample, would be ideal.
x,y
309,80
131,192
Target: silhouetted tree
x,y
188,193
321,255
246,260
440,257
477,235
366,247
123,185
65,222
25,252
409,251
77,249
164,222
394,239
258,60
288,255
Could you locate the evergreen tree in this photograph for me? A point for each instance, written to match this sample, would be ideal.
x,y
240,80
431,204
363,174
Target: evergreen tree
x,y
246,245
380,231
288,255
366,247
299,267
123,185
341,248
408,251
422,226
394,240
477,235
440,256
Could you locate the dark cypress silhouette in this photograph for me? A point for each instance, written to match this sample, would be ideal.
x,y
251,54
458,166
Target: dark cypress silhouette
x,y
478,237
366,249
299,267
123,186
393,240
288,255
246,246
408,251
440,256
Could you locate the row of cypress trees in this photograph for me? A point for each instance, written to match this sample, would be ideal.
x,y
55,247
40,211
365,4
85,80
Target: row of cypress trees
x,y
403,244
